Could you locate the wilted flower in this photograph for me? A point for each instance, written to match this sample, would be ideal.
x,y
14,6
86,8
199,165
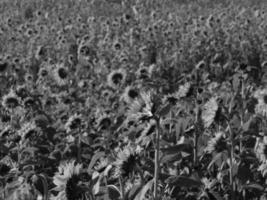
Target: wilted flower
x,y
217,144
127,162
116,78
209,111
261,107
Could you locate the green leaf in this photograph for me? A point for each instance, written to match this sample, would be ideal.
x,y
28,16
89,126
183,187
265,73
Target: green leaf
x,y
144,190
134,191
163,111
183,181
94,159
113,192
177,148
255,186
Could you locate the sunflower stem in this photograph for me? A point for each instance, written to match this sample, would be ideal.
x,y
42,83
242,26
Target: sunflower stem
x,y
231,162
121,188
196,133
79,148
156,161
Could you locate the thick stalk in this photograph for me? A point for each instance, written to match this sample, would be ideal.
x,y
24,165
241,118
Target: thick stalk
x,y
231,162
156,161
79,156
196,133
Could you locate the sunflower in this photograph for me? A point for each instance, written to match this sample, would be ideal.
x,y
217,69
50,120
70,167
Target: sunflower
x,y
27,130
200,65
261,107
69,183
217,144
11,100
127,161
261,149
22,91
184,90
143,73
209,112
116,78
3,66
104,122
74,122
61,74
130,94
142,108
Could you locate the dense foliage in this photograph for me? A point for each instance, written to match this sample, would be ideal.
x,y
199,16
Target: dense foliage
x,y
133,100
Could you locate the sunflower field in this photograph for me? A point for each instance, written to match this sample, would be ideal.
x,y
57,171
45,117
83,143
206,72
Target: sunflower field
x,y
133,100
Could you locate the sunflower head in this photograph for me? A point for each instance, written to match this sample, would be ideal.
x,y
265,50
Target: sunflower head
x,y
22,91
217,144
143,108
116,78
74,122
130,94
11,100
61,74
143,73
104,122
27,130
69,181
127,162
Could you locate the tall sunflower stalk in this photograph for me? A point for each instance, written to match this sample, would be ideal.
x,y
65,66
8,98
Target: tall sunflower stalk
x,y
156,158
231,176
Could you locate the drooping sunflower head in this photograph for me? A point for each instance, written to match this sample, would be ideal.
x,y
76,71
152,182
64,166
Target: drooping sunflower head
x,y
128,160
217,144
116,78
11,100
261,107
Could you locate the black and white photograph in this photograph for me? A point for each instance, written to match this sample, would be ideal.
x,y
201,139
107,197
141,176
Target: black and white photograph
x,y
133,99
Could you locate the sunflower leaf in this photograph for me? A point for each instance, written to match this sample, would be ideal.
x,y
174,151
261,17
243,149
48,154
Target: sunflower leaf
x,y
94,159
144,190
